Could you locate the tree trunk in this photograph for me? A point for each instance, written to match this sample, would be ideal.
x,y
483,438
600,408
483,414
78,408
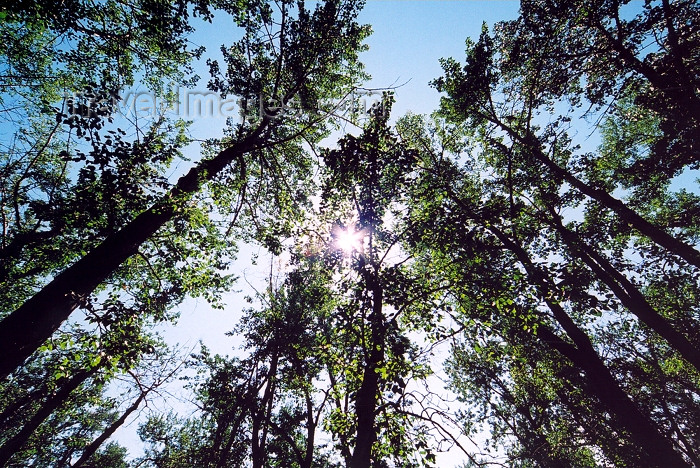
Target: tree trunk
x,y
18,440
262,416
642,431
603,385
25,329
92,448
628,215
628,294
224,453
310,431
366,402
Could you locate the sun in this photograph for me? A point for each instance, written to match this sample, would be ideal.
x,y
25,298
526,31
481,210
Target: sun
x,y
349,240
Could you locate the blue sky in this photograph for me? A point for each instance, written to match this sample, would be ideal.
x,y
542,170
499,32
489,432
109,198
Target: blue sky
x,y
410,37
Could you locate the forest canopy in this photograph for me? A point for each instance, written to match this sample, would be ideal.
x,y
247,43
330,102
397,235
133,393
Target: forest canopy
x,y
510,280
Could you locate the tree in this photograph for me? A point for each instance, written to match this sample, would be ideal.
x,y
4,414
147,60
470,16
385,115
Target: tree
x,y
112,456
660,79
364,184
564,276
162,369
314,74
263,410
328,351
70,174
53,408
508,91
521,403
48,217
467,227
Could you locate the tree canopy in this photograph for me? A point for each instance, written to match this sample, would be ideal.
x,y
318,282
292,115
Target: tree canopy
x,y
482,281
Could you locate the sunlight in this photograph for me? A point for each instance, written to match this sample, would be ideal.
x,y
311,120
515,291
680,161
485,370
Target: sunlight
x,y
349,240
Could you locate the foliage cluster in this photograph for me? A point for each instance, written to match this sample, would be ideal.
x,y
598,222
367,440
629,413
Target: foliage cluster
x,y
563,279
